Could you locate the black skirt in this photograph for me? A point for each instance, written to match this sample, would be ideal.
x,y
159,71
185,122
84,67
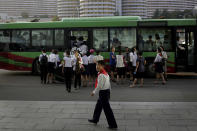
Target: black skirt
x,y
51,67
158,67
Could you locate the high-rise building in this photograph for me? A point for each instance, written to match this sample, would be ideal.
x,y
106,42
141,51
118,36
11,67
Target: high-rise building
x,y
170,5
46,8
14,8
68,8
86,8
146,8
95,8
118,8
134,8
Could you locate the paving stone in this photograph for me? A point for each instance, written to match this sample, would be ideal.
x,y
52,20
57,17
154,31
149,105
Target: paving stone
x,y
192,128
65,116
50,126
182,122
12,120
36,115
25,109
126,111
150,111
175,111
85,111
165,116
132,128
137,116
153,123
18,125
9,114
79,128
46,110
172,128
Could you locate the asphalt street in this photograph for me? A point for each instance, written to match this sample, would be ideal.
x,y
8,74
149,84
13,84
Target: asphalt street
x,y
27,87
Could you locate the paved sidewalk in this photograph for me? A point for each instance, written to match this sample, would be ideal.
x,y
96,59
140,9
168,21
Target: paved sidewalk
x,y
73,116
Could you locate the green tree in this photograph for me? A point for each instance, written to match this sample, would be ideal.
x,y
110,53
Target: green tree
x,y
24,14
156,14
165,14
55,18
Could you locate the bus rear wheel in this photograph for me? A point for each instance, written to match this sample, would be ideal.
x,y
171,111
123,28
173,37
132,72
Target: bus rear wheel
x,y
36,67
150,70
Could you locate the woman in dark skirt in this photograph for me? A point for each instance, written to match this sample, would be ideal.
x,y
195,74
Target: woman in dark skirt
x,y
92,66
85,71
67,70
159,66
140,69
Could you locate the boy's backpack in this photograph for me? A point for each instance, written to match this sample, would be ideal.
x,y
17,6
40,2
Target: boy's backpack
x,y
43,60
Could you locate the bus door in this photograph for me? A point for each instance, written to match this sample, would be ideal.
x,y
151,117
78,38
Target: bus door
x,y
185,50
77,38
191,48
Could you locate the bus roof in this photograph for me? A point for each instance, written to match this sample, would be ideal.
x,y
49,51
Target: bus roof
x,y
173,22
115,21
123,21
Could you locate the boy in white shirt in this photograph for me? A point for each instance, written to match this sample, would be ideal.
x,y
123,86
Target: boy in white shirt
x,y
103,87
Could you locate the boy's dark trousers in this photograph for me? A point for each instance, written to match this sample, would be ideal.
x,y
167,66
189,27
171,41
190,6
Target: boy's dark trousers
x,y
68,77
43,73
103,103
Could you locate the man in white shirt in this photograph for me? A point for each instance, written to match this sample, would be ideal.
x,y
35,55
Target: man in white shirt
x,y
43,60
103,87
133,59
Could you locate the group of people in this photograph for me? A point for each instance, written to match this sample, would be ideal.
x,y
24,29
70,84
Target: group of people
x,y
74,63
48,65
82,65
132,64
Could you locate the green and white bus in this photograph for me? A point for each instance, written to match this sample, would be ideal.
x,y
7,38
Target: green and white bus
x,y
21,43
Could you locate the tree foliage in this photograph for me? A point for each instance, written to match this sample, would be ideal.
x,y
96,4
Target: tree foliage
x,y
24,14
165,14
55,18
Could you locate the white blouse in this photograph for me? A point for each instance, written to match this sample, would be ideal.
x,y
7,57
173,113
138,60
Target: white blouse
x,y
158,58
68,62
91,59
119,61
52,58
85,60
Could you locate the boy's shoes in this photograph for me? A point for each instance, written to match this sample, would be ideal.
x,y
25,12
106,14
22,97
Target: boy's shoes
x,y
113,128
92,121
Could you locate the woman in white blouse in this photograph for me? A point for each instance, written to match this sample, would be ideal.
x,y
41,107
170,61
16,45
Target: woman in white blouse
x,y
159,66
68,70
120,67
52,64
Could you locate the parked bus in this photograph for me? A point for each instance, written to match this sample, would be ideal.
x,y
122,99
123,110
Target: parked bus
x,y
20,43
